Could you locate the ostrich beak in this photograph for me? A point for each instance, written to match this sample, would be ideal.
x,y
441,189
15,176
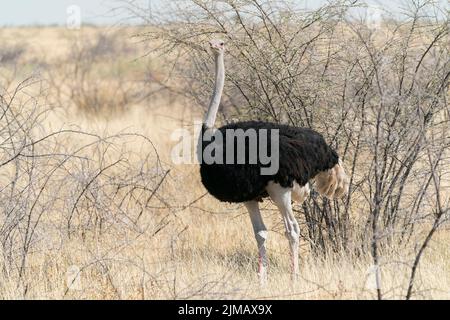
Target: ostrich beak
x,y
216,45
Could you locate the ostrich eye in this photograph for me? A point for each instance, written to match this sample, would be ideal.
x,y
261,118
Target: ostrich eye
x,y
221,43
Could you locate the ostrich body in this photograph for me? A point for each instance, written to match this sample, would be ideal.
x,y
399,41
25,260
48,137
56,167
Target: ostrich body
x,y
303,156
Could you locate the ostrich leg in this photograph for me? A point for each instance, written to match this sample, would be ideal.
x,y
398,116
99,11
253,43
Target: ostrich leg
x,y
282,199
261,235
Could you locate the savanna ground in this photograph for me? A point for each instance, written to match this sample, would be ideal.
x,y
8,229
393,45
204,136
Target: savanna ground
x,y
103,213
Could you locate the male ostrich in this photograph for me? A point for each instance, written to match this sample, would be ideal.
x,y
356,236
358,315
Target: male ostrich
x,y
303,156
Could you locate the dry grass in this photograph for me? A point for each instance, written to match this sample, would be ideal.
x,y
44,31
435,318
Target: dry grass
x,y
205,250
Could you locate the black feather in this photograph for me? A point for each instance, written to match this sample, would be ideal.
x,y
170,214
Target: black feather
x,y
303,153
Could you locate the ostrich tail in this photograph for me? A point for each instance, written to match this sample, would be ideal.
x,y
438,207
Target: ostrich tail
x,y
332,183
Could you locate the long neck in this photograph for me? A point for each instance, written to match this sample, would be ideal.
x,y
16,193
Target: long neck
x,y
210,118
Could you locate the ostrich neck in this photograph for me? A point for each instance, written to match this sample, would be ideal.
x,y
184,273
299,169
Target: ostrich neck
x,y
217,94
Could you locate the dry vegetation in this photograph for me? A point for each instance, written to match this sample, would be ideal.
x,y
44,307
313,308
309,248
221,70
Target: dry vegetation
x,y
91,205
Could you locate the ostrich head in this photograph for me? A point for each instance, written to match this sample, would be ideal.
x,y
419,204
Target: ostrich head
x,y
217,46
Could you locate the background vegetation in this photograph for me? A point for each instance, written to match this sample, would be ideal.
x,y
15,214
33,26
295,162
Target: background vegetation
x,y
93,207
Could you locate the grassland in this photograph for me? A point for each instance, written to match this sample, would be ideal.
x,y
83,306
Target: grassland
x,y
184,244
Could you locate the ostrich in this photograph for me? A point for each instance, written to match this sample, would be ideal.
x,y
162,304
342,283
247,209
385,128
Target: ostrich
x,y
303,156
